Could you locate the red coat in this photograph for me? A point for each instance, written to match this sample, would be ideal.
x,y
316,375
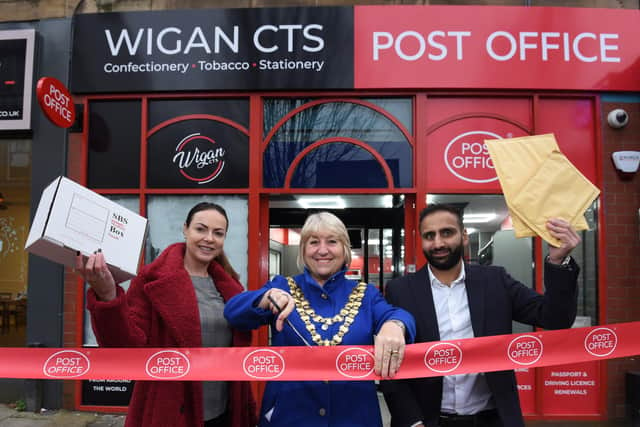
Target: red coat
x,y
160,310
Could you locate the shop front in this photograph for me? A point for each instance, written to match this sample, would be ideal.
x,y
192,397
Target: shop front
x,y
370,112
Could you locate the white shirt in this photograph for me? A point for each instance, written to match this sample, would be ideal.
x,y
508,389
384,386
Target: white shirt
x,y
465,394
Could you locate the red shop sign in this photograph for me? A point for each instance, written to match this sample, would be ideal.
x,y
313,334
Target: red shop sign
x,y
56,103
499,47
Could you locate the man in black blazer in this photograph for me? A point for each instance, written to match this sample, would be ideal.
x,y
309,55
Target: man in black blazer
x,y
452,300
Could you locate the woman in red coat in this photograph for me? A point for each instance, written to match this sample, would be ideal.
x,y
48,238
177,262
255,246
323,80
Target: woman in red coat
x,y
176,301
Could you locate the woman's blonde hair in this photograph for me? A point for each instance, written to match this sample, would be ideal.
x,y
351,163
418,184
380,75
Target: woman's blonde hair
x,y
328,223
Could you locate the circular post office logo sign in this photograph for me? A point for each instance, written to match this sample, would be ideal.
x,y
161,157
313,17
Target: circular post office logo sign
x,y
443,357
66,364
55,101
467,157
263,364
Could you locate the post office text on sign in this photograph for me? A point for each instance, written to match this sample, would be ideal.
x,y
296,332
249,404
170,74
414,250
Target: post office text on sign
x,y
58,101
500,45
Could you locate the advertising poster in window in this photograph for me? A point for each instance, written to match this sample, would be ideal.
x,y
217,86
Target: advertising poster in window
x,y
571,389
526,379
16,74
106,392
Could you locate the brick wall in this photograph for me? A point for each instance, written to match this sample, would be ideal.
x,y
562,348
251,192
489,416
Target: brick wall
x,y
27,10
621,201
72,307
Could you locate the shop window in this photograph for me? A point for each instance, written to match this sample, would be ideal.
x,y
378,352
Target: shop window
x,y
114,144
15,194
236,110
340,165
292,128
586,256
375,224
491,238
381,264
89,339
167,215
400,108
492,241
198,144
275,259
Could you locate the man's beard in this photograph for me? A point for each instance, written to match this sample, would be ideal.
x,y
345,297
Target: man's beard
x,y
447,263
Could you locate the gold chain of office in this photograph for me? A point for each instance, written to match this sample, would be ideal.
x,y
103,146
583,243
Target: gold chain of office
x,y
347,314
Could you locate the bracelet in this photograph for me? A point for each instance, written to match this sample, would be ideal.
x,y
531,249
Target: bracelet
x,y
565,262
400,324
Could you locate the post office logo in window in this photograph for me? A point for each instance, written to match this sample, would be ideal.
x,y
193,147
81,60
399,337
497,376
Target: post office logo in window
x,y
199,158
467,157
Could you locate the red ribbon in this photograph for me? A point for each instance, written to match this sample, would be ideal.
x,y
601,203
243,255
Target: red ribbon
x,y
430,359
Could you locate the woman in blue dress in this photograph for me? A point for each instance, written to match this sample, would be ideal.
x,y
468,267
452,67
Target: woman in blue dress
x,y
324,308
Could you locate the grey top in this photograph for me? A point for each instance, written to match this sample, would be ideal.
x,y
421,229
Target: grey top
x,y
215,333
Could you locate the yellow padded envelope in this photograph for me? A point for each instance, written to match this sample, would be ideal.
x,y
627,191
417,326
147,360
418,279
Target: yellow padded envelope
x,y
557,190
516,160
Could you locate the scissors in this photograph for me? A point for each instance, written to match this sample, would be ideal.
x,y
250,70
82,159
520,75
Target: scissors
x,y
275,304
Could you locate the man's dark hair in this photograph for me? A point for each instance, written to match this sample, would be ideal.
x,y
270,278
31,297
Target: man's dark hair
x,y
442,207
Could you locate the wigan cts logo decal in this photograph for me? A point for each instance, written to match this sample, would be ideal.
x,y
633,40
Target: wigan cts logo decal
x,y
199,158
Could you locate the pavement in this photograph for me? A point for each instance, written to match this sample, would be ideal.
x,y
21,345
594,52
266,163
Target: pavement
x,y
10,417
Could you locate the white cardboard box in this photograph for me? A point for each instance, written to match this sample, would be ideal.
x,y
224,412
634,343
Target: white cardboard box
x,y
72,218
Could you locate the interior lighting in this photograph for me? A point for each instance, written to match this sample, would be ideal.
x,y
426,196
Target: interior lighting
x,y
478,218
325,202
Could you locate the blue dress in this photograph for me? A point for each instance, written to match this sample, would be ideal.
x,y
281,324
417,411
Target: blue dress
x,y
319,403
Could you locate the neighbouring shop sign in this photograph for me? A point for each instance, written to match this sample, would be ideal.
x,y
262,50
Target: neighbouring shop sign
x,y
359,47
16,74
215,49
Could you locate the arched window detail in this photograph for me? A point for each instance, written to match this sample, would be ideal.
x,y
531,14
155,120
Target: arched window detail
x,y
360,135
338,163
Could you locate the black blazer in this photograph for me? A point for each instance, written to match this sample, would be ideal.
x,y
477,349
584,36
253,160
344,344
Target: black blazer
x,y
495,299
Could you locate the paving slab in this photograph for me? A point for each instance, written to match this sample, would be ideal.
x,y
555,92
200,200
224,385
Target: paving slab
x,y
108,421
9,417
26,422
5,412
